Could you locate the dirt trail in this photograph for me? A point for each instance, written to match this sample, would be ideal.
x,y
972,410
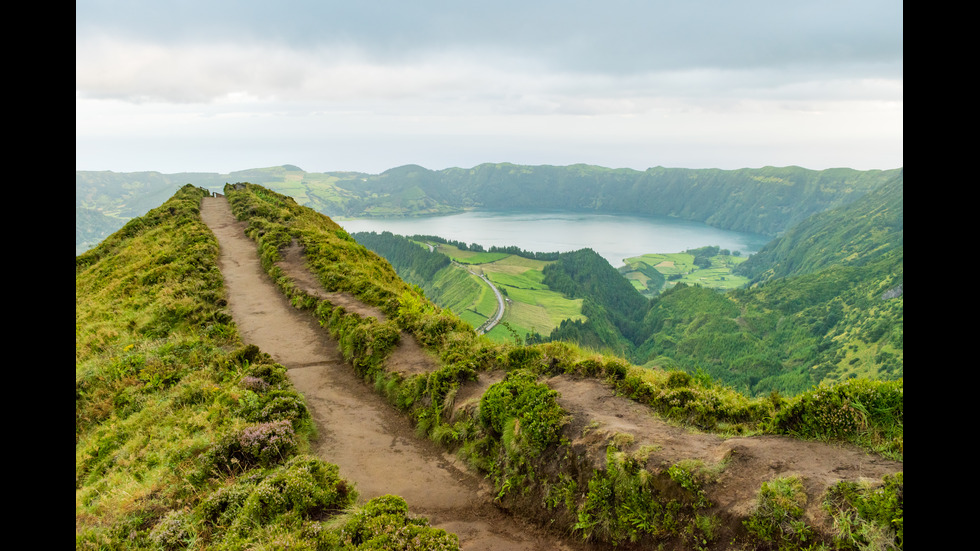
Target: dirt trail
x,y
373,445
748,461
408,358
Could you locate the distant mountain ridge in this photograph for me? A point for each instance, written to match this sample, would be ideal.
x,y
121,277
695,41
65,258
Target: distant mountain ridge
x,y
855,234
767,200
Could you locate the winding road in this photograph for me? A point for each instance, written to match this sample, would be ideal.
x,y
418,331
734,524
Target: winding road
x,y
499,315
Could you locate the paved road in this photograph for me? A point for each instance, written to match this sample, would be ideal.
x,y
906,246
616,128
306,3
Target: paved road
x,y
492,322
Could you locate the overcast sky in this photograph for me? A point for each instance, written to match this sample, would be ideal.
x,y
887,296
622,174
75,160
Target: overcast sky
x,y
368,85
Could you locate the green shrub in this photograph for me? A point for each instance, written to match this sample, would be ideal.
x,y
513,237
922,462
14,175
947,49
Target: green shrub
x,y
303,488
868,516
257,445
221,507
383,523
276,405
272,373
174,531
623,504
534,407
778,518
589,367
865,412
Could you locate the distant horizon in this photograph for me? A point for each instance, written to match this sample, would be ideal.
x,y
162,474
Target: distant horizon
x,y
303,169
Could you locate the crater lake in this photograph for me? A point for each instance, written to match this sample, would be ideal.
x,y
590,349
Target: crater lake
x,y
614,237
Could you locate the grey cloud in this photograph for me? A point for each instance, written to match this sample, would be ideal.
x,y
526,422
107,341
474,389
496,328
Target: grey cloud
x,y
608,36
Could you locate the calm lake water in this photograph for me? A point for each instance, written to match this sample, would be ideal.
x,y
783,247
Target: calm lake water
x,y
614,237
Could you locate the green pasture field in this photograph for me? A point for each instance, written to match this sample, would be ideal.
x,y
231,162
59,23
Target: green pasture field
x,y
681,266
469,257
531,305
715,278
666,263
466,295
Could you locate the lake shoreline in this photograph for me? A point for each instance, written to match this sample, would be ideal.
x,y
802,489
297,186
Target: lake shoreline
x,y
615,237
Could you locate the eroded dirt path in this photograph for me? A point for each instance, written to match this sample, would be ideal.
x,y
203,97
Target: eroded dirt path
x,y
373,445
747,461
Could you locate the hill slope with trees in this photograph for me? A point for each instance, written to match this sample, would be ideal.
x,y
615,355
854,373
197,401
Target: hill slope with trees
x,y
827,305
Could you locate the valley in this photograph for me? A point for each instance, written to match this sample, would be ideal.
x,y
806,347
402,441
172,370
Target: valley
x,y
531,308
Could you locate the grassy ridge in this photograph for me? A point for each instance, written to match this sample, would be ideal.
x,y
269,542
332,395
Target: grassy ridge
x,y
184,437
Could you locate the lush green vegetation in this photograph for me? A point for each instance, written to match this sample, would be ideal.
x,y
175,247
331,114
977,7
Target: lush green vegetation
x,y
185,438
532,307
828,321
868,515
515,435
835,316
864,515
856,234
415,261
788,335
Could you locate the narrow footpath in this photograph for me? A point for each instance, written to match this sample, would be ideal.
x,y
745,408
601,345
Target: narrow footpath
x,y
372,444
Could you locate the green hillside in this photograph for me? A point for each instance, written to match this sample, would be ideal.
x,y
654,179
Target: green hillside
x,y
853,235
182,433
765,200
830,308
449,275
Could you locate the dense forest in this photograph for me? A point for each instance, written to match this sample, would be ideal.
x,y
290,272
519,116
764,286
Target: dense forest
x,y
415,263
